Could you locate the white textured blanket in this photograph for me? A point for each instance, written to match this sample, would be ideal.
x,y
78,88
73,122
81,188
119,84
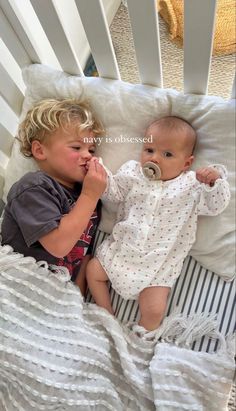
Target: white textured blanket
x,y
59,353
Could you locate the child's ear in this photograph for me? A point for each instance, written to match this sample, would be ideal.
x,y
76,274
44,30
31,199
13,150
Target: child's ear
x,y
188,163
38,150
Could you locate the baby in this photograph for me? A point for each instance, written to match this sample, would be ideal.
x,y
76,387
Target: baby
x,y
157,220
52,214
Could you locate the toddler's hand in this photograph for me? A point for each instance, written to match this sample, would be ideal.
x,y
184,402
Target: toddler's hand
x,y
95,180
95,159
207,175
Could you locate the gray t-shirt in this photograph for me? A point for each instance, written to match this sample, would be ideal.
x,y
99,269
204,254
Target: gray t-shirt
x,y
35,206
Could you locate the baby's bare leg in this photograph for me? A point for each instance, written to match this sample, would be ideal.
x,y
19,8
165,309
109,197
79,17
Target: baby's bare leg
x,y
97,283
152,304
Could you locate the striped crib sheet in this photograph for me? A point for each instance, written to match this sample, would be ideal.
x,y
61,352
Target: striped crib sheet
x,y
197,290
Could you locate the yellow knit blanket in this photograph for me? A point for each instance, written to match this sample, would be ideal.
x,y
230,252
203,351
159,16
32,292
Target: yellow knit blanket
x,y
225,30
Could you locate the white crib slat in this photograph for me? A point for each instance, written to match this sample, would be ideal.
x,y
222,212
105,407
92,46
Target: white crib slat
x,y
68,13
10,91
9,124
12,42
16,38
2,178
96,27
145,28
56,35
233,93
199,19
6,140
8,118
11,67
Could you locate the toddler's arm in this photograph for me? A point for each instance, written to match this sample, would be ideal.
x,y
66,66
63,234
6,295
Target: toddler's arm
x,y
62,239
215,192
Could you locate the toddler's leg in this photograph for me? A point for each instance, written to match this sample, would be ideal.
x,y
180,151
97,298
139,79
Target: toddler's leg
x,y
81,277
97,283
152,304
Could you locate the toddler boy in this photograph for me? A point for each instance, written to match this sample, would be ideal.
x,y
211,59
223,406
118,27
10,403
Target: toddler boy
x,y
52,214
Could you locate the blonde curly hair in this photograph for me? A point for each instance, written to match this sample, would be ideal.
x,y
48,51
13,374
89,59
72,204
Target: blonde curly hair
x,y
49,115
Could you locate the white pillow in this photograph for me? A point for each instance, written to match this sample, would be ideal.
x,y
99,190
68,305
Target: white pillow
x,y
126,109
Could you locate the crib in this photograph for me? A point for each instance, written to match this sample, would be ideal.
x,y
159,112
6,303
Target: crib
x,y
53,40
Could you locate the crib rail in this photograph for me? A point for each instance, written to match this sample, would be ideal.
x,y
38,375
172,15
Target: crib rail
x,y
12,41
53,32
99,38
145,28
52,24
198,44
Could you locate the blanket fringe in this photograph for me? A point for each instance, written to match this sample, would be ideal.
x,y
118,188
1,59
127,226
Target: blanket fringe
x,y
230,345
9,258
186,329
183,330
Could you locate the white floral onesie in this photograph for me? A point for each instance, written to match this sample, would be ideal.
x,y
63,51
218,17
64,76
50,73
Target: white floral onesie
x,y
156,226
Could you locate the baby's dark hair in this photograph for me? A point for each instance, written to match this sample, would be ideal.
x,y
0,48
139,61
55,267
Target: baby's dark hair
x,y
179,124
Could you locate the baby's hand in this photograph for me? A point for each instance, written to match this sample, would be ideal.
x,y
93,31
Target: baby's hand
x,y
207,175
95,180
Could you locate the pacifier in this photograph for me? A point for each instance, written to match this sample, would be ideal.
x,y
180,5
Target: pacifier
x,y
151,170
